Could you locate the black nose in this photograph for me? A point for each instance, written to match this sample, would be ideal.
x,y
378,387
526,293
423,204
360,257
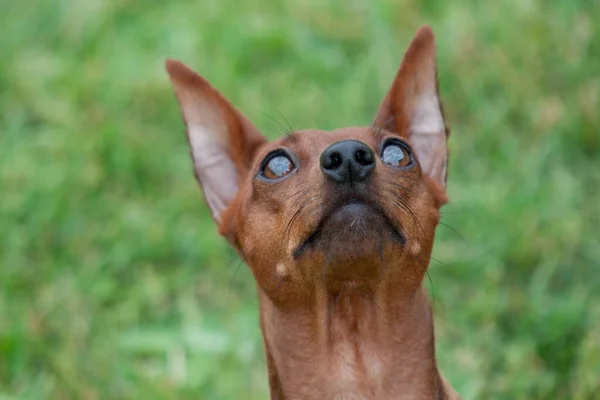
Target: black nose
x,y
348,161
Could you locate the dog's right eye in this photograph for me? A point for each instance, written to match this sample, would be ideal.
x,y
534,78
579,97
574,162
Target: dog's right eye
x,y
277,166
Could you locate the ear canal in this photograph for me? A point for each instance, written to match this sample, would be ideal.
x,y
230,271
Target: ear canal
x,y
412,107
222,141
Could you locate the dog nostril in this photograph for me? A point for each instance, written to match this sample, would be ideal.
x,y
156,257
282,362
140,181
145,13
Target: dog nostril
x,y
348,161
364,157
333,161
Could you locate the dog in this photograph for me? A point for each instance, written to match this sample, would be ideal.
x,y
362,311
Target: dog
x,y
337,228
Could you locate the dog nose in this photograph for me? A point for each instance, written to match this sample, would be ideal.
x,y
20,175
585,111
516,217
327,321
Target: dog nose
x,y
348,161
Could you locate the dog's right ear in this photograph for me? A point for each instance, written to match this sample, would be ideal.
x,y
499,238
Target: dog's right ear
x,y
222,141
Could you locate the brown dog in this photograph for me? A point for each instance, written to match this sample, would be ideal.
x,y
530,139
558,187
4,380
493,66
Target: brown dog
x,y
337,228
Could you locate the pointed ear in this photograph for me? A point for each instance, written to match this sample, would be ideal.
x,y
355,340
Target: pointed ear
x,y
222,141
413,109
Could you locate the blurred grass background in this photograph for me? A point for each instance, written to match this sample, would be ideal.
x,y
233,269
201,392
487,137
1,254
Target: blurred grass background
x,y
113,283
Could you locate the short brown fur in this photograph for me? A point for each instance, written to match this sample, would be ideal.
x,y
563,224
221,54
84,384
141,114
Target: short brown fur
x,y
342,308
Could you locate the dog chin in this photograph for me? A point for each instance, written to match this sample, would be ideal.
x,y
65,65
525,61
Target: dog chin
x,y
351,233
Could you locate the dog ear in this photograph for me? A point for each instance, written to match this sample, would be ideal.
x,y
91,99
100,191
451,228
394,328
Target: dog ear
x,y
222,141
413,109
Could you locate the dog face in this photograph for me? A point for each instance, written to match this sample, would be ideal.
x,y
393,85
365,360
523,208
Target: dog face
x,y
319,210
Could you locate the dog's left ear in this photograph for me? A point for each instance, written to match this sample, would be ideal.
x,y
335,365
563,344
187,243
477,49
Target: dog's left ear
x,y
412,108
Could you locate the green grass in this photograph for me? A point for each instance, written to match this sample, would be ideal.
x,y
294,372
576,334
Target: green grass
x,y
113,283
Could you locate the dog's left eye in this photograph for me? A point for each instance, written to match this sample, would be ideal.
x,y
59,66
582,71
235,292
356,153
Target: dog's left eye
x,y
396,154
278,166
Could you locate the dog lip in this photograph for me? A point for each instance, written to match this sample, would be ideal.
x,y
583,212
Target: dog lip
x,y
305,244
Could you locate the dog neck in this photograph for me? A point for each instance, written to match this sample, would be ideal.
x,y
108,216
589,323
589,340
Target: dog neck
x,y
352,345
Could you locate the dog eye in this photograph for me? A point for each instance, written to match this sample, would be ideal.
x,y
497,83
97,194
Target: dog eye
x,y
278,166
396,154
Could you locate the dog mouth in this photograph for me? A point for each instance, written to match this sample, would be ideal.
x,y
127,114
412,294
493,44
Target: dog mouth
x,y
345,215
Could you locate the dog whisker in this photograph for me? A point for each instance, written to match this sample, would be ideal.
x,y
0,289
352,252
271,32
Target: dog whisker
x,y
382,313
234,275
290,132
433,299
285,129
454,230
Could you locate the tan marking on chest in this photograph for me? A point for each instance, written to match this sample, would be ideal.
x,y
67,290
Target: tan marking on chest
x,y
355,371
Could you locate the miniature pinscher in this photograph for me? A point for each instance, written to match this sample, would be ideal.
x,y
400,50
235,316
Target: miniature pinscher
x,y
337,228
